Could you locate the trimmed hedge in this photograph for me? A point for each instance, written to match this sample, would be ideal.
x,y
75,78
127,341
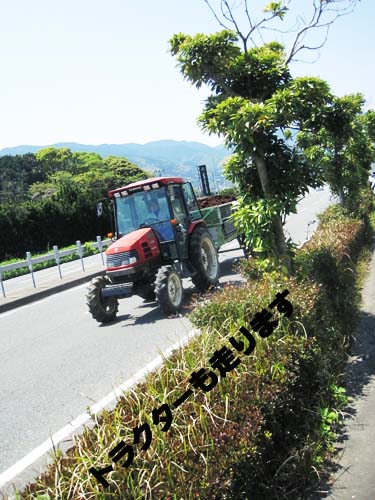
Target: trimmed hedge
x,y
267,426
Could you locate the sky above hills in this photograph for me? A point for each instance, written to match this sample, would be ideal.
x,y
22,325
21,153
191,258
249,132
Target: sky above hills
x,y
99,72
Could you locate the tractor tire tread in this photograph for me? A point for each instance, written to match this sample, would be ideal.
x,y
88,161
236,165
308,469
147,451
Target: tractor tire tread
x,y
93,302
200,278
161,290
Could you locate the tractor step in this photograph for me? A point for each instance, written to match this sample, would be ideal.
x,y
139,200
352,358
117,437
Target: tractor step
x,y
122,290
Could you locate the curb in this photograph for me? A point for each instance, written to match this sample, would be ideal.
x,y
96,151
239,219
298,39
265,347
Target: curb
x,y
46,293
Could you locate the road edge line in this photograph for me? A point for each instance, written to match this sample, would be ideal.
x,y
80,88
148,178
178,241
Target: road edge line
x,y
11,472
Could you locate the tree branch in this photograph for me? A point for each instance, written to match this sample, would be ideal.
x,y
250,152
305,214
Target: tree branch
x,y
316,22
324,14
215,15
232,19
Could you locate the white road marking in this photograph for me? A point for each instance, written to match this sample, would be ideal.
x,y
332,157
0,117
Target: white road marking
x,y
10,473
17,309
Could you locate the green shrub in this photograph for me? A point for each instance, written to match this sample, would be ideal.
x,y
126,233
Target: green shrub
x,y
230,191
268,424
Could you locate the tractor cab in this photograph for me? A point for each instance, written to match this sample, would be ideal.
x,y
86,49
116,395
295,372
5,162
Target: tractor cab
x,y
167,205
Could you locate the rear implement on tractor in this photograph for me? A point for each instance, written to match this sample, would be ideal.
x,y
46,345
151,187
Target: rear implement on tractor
x,y
161,236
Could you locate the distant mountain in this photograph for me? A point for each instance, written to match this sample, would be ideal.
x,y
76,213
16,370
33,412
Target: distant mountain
x,y
171,157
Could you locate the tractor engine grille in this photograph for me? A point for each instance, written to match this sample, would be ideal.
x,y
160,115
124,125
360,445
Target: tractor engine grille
x,y
115,260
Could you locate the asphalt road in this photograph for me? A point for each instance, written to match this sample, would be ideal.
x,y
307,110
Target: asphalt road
x,y
55,360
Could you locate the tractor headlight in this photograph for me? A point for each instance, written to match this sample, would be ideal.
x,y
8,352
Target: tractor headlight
x,y
128,260
122,258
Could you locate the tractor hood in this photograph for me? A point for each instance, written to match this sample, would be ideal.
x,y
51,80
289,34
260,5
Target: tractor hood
x,y
139,246
129,241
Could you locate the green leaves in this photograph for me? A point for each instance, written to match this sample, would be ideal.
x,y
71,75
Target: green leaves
x,y
205,58
64,198
290,132
342,146
254,219
217,61
277,9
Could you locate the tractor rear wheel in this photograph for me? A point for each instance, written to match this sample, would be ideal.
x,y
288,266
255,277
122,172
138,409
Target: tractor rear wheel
x,y
204,258
168,290
104,310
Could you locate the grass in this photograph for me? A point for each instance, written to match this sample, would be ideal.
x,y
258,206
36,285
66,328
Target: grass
x,y
268,426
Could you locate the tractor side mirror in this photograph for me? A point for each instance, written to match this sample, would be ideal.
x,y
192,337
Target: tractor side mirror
x,y
99,209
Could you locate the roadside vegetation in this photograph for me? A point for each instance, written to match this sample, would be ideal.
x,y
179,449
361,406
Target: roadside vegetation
x,y
49,198
268,428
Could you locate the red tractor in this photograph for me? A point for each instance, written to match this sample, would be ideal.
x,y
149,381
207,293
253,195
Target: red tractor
x,y
160,238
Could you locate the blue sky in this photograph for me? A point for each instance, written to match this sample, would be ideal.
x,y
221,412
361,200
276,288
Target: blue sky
x,y
95,71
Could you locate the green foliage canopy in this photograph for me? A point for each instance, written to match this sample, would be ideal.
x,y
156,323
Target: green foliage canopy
x,y
343,146
255,106
50,198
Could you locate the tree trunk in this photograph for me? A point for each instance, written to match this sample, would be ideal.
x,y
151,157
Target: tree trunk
x,y
341,197
278,231
338,174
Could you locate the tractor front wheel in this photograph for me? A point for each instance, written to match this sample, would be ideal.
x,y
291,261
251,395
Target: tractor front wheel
x,y
168,290
104,310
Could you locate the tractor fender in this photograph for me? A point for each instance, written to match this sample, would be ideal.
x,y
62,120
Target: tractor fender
x,y
195,224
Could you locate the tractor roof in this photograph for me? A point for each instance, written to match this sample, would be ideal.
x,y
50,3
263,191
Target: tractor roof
x,y
146,182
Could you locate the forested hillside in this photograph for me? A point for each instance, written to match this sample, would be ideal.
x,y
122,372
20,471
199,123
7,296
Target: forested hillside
x,y
49,198
171,157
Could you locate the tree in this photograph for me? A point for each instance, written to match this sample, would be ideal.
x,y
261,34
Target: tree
x,y
344,147
123,171
52,160
17,173
256,106
254,103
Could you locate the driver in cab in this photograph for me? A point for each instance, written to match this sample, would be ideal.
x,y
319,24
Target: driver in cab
x,y
155,208
164,226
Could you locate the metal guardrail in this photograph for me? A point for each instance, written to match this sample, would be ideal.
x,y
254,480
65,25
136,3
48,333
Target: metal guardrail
x,y
56,255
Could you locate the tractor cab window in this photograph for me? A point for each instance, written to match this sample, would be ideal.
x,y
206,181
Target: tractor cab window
x,y
177,203
191,201
144,209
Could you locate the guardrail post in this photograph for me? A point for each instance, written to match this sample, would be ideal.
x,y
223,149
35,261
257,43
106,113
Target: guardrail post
x,y
30,264
80,253
57,259
100,247
2,284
